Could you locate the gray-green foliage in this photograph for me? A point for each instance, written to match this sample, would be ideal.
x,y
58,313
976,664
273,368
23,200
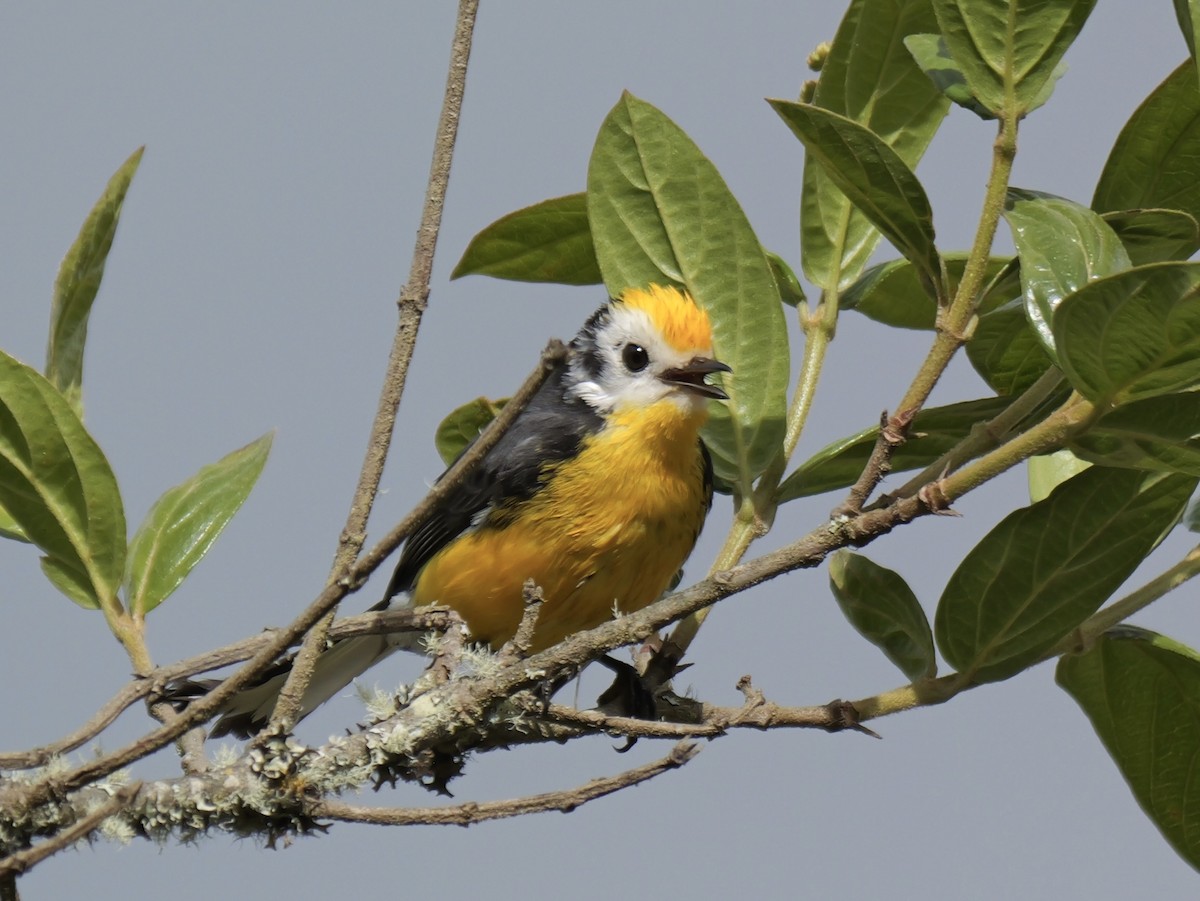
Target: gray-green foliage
x,y
1098,312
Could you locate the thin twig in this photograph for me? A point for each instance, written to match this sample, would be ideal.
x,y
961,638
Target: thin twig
x,y
714,721
468,814
21,861
383,622
893,432
413,299
984,436
517,647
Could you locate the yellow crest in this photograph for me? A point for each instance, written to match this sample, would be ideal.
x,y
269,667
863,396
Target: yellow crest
x,y
683,324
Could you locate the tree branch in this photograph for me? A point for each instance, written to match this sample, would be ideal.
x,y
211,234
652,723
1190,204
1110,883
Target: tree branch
x,y
413,299
375,623
20,861
471,813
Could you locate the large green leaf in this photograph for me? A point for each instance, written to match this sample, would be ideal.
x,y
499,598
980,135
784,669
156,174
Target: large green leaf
x,y
1047,567
1132,335
880,605
1006,351
660,213
58,487
1155,236
1156,433
892,292
934,431
547,242
463,424
1062,247
78,281
1142,693
1153,162
869,77
183,524
1009,50
873,176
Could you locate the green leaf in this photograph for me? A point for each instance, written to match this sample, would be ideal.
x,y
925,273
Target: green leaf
x,y
78,280
1188,14
786,283
873,176
866,76
1160,434
1046,568
463,425
9,528
1047,471
547,242
884,610
1006,351
933,56
1009,51
892,292
1062,247
934,431
183,524
74,584
57,485
1153,162
661,213
1141,692
1155,236
1132,335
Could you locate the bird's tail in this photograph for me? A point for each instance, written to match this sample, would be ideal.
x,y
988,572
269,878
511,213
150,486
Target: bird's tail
x,y
250,709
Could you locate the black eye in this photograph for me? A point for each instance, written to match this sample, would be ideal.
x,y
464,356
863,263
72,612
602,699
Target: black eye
x,y
634,357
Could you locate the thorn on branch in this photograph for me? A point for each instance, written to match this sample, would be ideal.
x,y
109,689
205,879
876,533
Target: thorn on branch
x,y
893,432
935,499
844,716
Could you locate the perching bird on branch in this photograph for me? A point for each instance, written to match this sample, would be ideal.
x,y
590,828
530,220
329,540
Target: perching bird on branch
x,y
597,492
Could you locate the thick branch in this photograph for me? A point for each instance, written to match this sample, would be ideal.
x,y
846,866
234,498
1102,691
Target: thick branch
x,y
22,860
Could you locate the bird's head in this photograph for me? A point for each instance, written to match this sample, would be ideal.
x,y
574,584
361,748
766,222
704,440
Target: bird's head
x,y
647,346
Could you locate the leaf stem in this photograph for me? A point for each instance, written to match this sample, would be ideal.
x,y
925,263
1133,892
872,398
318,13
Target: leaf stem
x,y
928,692
1119,611
987,435
954,321
1075,415
756,513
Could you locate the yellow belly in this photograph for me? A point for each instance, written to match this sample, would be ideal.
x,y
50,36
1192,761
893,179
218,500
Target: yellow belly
x,y
607,533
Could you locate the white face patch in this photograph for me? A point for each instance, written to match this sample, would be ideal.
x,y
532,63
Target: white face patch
x,y
619,385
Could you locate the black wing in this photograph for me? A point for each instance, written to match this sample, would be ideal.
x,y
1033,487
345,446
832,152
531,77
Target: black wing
x,y
545,433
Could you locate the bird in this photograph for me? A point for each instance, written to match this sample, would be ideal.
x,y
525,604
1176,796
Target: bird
x,y
597,492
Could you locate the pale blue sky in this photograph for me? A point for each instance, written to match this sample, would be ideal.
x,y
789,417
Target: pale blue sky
x,y
252,287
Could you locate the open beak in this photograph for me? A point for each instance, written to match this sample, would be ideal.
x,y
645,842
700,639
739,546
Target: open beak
x,y
691,377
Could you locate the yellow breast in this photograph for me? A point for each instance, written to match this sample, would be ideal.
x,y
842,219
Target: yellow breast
x,y
606,533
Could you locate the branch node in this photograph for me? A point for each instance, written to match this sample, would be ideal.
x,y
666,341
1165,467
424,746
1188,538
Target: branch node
x,y
844,716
